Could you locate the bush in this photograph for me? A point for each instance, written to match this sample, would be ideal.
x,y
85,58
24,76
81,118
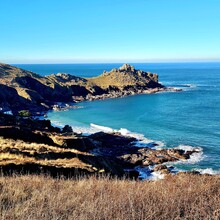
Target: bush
x,y
24,113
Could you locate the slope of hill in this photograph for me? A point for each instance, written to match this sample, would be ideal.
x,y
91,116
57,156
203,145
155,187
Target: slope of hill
x,y
21,89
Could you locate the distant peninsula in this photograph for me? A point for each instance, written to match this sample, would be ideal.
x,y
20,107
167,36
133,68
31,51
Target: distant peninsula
x,y
22,89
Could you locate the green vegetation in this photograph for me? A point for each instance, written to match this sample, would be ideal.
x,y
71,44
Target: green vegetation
x,y
24,113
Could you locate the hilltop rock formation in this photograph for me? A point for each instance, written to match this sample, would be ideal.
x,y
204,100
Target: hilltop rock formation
x,y
125,78
21,89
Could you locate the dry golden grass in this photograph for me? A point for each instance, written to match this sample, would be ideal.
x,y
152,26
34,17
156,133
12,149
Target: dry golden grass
x,y
118,79
35,147
40,197
19,152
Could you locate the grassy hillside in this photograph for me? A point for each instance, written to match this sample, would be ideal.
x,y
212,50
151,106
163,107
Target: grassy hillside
x,y
125,76
184,196
23,89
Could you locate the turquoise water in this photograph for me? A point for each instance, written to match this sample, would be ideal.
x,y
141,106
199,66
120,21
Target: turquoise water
x,y
191,117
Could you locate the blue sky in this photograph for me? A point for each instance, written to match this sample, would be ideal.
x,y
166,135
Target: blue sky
x,y
76,31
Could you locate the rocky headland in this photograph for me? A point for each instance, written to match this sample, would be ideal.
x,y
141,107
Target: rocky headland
x,y
22,89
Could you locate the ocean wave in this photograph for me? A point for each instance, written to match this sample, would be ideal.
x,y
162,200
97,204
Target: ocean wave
x,y
57,124
102,128
209,171
146,173
141,140
194,158
85,130
189,85
183,86
189,148
76,129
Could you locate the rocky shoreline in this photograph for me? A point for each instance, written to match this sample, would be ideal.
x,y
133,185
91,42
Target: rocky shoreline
x,y
35,146
129,93
113,95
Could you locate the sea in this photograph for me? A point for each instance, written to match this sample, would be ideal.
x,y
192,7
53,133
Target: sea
x,y
188,119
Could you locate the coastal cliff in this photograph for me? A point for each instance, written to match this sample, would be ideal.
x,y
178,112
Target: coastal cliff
x,y
21,89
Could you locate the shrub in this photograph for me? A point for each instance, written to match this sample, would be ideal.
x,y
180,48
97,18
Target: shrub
x,y
24,113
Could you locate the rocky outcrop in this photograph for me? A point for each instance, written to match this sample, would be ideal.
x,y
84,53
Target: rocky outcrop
x,y
123,148
35,146
23,89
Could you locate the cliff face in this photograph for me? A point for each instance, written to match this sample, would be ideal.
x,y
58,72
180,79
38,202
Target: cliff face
x,y
21,89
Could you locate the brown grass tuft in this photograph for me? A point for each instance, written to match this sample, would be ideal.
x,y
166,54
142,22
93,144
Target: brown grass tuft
x,y
177,197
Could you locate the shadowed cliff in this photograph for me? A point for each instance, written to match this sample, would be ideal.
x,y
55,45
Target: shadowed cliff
x,y
21,89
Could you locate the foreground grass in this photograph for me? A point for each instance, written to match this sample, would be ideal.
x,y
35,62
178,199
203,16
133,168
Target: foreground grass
x,y
39,197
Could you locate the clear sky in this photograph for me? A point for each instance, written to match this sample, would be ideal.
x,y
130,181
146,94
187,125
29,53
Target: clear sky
x,y
73,31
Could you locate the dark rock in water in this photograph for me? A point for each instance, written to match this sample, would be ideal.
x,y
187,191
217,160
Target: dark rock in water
x,y
147,156
163,169
67,129
111,140
160,167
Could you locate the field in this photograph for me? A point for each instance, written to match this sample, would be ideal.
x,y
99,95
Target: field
x,y
184,196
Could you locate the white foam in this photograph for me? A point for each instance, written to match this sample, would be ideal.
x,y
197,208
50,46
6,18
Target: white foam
x,y
147,174
190,85
124,131
57,124
85,130
189,148
208,171
183,86
142,141
102,128
157,175
196,157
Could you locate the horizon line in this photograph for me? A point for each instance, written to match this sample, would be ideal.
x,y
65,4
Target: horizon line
x,y
50,63
117,62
